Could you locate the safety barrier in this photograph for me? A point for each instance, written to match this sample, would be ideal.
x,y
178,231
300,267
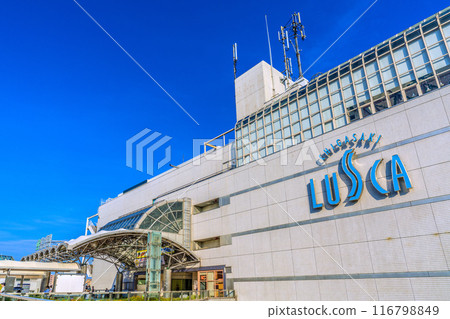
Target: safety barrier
x,y
128,295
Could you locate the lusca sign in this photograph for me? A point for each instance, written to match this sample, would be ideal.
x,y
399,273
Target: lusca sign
x,y
333,198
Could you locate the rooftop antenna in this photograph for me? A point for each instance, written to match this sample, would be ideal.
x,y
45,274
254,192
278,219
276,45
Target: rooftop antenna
x,y
297,29
270,54
283,37
235,58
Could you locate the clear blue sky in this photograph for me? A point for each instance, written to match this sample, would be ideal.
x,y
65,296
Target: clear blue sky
x,y
70,98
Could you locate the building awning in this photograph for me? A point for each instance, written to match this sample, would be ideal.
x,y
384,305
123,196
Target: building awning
x,y
119,247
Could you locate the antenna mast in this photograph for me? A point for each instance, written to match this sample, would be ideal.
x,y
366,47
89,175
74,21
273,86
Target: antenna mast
x,y
283,37
270,55
235,58
297,29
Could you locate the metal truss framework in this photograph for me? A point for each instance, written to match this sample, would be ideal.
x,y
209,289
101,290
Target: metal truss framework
x,y
117,247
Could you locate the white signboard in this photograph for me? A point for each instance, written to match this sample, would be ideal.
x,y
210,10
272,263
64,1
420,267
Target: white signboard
x,y
69,283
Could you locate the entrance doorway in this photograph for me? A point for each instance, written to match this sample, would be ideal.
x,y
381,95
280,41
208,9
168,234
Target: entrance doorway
x,y
181,281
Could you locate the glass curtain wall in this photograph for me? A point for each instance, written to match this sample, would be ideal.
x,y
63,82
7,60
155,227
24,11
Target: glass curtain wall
x,y
408,65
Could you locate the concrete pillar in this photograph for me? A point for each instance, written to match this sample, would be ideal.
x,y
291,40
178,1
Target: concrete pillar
x,y
195,281
45,281
167,279
119,282
21,281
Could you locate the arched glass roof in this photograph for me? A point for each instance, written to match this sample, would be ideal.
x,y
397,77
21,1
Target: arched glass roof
x,y
125,222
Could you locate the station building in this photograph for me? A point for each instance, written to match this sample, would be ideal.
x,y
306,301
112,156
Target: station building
x,y
332,189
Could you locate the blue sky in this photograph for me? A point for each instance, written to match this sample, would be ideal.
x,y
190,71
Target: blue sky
x,y
70,98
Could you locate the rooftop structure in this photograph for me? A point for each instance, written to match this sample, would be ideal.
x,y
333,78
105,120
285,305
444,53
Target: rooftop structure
x,y
409,64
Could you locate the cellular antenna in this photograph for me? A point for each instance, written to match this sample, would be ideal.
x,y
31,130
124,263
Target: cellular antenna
x,y
297,30
235,58
283,37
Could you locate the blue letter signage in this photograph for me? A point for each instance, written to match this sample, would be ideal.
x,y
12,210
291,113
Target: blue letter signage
x,y
353,174
333,197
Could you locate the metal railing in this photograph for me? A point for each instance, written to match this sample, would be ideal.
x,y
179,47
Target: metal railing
x,y
184,295
223,135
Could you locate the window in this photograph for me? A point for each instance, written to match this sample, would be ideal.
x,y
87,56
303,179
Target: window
x,y
318,130
361,86
372,67
276,115
366,111
167,217
314,107
211,281
302,101
323,91
336,97
327,115
306,124
400,53
358,74
207,243
276,125
340,121
292,106
261,133
348,92
316,119
325,102
328,126
334,86
338,109
287,132
353,115
304,112
312,96
346,80
380,105
433,37
307,134
396,98
376,91
444,78
411,93
296,128
374,80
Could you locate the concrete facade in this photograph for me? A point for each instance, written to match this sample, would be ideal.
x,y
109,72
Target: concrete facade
x,y
254,88
394,247
252,220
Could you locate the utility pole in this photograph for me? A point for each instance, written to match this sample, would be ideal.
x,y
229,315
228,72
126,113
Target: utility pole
x,y
235,58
